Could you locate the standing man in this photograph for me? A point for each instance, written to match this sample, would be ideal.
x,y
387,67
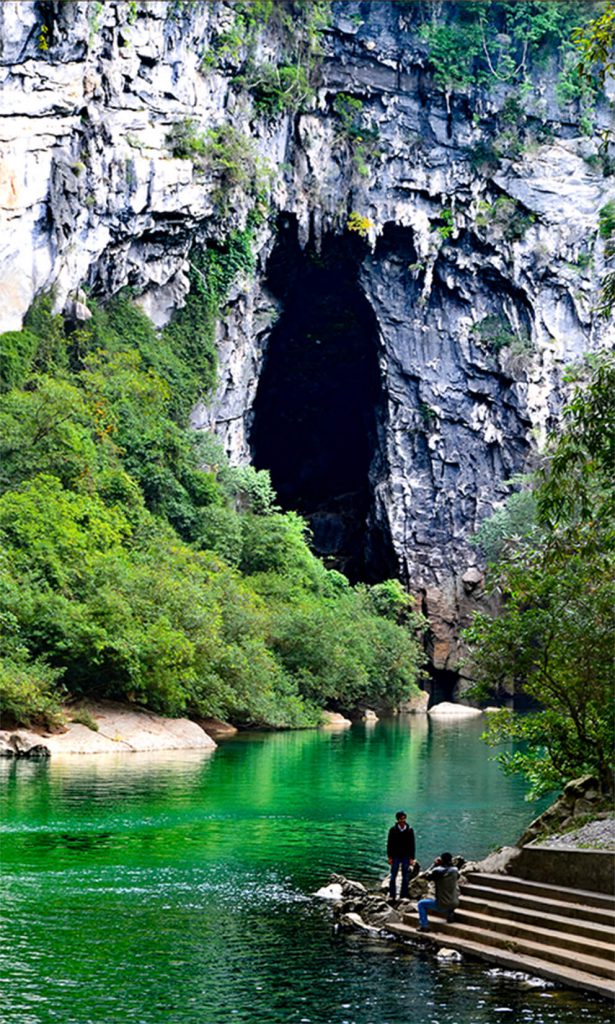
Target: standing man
x,y
446,879
400,851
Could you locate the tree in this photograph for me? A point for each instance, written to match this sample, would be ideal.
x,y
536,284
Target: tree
x,y
596,44
553,638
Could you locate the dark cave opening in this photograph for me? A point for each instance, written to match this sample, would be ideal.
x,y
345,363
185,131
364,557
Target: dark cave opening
x,y
442,685
319,411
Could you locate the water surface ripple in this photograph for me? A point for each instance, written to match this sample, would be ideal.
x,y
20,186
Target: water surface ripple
x,y
178,888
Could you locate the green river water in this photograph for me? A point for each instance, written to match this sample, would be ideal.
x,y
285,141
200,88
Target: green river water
x,y
178,888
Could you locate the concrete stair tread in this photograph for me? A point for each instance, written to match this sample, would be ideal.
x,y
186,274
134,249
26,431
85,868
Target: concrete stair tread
x,y
599,915
533,965
590,947
541,951
554,892
543,916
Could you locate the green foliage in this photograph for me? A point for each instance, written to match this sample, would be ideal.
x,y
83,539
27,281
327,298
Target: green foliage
x,y
186,141
607,220
504,218
51,351
227,153
607,231
358,224
446,226
231,157
287,86
46,429
43,38
553,638
453,51
497,333
278,89
576,484
28,693
595,42
481,44
341,650
122,533
17,352
353,128
506,527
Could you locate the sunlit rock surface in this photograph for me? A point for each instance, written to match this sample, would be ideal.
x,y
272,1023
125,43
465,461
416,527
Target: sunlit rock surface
x,y
118,729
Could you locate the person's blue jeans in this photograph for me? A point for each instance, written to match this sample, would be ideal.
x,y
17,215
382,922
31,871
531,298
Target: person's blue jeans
x,y
428,904
404,864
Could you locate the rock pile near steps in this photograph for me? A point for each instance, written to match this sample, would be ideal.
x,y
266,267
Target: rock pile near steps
x,y
357,908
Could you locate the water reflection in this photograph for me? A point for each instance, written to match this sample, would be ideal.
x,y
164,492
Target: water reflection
x,y
178,888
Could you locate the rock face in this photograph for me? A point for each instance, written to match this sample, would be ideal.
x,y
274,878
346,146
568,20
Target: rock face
x,y
581,797
468,295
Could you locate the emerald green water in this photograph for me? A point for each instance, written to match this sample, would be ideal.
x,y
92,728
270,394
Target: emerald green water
x,y
178,888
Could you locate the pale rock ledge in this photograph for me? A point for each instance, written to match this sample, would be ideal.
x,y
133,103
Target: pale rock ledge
x,y
120,729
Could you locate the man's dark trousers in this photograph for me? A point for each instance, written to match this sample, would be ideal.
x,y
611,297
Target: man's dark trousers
x,y
396,864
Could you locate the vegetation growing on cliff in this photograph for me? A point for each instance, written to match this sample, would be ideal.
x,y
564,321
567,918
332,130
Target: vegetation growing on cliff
x,y
555,572
472,44
137,564
288,84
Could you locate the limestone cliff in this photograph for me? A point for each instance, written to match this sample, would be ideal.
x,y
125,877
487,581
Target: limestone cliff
x,y
466,289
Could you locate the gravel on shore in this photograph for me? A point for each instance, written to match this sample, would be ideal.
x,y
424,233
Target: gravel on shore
x,y
595,835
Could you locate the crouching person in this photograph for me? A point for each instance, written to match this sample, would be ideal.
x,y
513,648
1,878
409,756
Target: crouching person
x,y
446,880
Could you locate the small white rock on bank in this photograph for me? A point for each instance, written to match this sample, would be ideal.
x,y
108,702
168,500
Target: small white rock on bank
x,y
120,729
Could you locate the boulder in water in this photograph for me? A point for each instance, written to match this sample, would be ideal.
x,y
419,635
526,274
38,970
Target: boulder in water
x,y
448,710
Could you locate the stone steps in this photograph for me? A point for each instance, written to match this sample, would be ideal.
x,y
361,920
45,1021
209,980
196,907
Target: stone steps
x,y
514,961
539,918
566,935
555,893
599,915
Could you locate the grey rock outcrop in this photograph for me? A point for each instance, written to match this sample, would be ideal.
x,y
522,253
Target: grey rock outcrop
x,y
581,799
90,193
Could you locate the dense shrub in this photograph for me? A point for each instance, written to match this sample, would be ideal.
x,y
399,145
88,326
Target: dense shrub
x,y
137,564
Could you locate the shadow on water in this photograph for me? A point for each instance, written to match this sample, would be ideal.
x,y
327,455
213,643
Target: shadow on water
x,y
157,889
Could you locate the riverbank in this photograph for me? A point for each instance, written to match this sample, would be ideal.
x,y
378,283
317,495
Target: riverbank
x,y
106,727
103,727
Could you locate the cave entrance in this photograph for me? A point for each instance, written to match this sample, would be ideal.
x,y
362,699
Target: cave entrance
x,y
319,413
442,685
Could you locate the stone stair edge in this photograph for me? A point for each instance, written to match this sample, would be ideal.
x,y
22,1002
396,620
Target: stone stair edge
x,y
523,947
530,965
503,925
557,921
529,900
515,882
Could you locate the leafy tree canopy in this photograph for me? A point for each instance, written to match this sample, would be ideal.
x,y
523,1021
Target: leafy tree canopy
x,y
553,640
137,564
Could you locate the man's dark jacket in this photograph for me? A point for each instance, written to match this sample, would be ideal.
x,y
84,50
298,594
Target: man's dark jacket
x,y
400,843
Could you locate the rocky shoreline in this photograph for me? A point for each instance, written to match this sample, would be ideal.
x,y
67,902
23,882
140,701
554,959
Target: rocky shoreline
x,y
106,727
357,908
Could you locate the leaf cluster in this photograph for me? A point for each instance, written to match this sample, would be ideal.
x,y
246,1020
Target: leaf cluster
x,y
481,44
137,564
555,574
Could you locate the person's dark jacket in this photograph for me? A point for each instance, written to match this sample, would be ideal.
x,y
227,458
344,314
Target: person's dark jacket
x,y
400,842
